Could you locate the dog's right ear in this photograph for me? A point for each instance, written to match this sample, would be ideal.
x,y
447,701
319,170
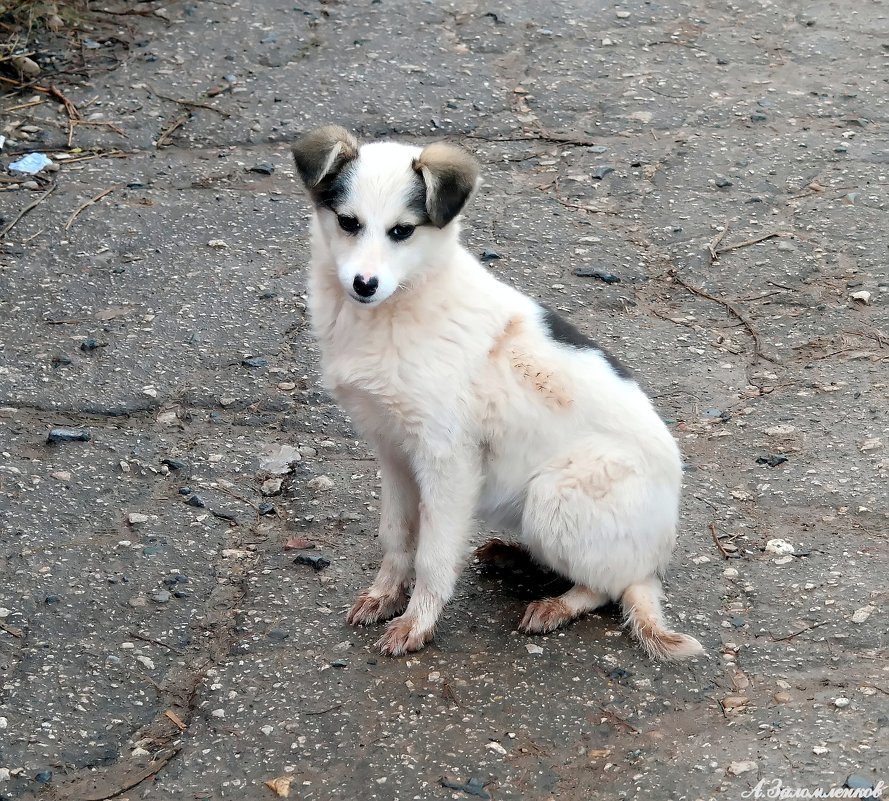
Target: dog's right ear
x,y
322,153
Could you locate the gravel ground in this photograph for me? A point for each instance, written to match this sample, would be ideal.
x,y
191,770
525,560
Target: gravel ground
x,y
727,163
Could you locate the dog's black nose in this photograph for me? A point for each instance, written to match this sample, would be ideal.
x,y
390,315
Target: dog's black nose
x,y
365,288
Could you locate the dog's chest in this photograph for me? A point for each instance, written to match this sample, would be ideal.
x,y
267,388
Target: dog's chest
x,y
393,383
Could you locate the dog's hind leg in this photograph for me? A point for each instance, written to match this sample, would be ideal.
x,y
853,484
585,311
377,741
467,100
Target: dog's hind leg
x,y
549,614
399,519
501,554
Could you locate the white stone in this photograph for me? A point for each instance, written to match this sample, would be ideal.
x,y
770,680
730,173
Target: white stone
x,y
745,766
496,747
271,486
860,615
219,244
4,723
167,418
266,730
841,703
218,713
147,662
862,296
135,518
320,483
780,547
780,431
730,572
533,649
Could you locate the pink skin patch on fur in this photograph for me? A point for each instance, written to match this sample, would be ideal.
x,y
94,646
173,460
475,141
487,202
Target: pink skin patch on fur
x,y
403,636
546,615
369,609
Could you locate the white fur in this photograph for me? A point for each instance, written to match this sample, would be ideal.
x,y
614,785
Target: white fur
x,y
476,412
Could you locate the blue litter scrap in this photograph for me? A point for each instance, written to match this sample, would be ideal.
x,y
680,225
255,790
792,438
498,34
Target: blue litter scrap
x,y
31,164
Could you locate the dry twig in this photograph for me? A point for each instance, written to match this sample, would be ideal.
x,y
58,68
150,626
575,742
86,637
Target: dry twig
x,y
757,342
165,137
723,551
86,205
24,211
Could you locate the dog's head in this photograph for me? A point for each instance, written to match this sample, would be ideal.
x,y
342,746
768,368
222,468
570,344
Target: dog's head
x,y
386,211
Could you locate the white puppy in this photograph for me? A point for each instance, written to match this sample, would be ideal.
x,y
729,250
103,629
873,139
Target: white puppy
x,y
479,402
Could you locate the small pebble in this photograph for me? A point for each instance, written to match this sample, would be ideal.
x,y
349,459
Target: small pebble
x,y
44,777
841,703
263,168
196,500
320,483
339,663
779,547
490,255
135,518
782,697
856,782
68,435
315,561
771,459
161,597
255,361
278,634
744,766
599,173
145,661
266,508
271,486
175,464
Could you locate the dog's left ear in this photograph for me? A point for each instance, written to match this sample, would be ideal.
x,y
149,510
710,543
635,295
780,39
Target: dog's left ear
x,y
450,175
322,152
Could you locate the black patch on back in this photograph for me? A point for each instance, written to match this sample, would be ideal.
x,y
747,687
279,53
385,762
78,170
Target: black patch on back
x,y
562,331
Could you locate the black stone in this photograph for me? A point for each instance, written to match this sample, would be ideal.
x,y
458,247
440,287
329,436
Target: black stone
x,y
757,117
599,173
589,272
175,464
474,786
771,459
185,490
178,578
278,634
61,361
51,599
135,185
618,674
44,777
266,508
255,361
89,344
268,295
313,560
856,782
339,663
68,435
562,331
196,500
263,169
723,183
489,255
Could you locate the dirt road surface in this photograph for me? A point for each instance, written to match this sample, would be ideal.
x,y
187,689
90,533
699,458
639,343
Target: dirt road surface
x,y
727,162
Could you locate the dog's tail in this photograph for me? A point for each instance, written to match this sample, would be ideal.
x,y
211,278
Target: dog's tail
x,y
641,605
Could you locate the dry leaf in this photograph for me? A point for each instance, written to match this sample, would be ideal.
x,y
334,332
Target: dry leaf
x,y
280,786
298,544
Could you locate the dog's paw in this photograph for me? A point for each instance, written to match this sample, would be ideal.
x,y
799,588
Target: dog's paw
x,y
402,636
542,617
369,609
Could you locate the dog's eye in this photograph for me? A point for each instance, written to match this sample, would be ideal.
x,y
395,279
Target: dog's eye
x,y
349,224
401,232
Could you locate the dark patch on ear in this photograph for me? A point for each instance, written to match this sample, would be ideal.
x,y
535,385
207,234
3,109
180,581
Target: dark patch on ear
x,y
562,331
321,156
449,175
416,200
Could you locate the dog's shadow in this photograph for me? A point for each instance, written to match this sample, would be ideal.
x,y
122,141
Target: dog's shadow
x,y
520,577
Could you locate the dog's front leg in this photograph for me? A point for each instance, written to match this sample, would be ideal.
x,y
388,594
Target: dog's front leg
x,y
448,492
399,519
